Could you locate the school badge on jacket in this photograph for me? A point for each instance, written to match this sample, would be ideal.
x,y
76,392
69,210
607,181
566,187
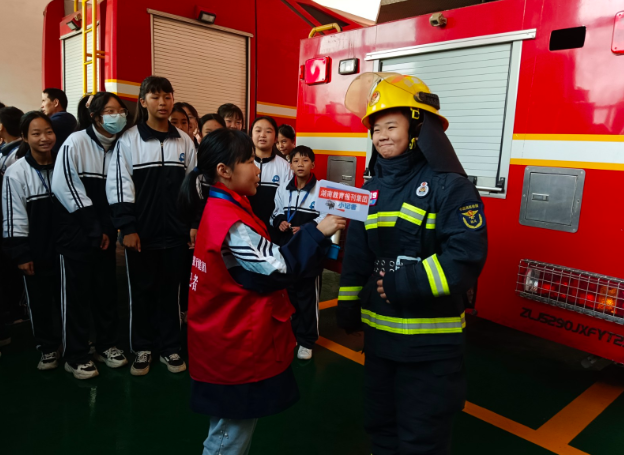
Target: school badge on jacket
x,y
422,190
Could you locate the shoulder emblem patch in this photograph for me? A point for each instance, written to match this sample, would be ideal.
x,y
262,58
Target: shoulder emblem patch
x,y
422,190
471,215
373,197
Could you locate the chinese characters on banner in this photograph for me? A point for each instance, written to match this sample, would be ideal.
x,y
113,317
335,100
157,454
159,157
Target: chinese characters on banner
x,y
343,200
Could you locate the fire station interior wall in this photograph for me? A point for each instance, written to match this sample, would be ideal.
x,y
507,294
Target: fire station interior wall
x,y
473,86
72,70
215,75
21,36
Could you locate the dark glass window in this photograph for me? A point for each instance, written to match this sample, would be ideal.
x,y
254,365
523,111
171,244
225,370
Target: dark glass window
x,y
567,38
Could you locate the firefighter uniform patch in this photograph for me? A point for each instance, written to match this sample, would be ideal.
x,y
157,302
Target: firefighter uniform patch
x,y
471,215
422,190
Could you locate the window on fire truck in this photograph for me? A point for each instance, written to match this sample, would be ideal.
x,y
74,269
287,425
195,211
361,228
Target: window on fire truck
x,y
567,38
473,86
72,70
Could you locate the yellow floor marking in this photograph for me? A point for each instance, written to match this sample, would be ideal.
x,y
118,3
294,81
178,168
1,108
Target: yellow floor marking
x,y
555,435
339,349
568,423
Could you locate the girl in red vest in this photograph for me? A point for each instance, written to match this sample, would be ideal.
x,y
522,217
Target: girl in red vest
x,y
239,333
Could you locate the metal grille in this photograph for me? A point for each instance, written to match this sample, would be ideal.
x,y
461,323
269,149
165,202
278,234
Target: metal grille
x,y
588,293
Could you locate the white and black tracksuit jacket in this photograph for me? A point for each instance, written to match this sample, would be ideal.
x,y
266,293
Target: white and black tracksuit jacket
x,y
79,184
274,171
28,207
302,208
144,179
8,155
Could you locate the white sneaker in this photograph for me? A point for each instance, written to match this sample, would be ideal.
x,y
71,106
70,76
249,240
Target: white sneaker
x,y
112,357
82,370
174,363
304,353
141,365
48,361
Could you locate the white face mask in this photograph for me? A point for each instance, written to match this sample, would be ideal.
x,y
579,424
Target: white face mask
x,y
114,123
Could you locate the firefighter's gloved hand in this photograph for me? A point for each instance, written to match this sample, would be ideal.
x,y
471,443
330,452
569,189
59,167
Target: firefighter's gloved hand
x,y
349,318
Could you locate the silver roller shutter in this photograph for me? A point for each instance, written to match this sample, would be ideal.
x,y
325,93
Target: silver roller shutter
x,y
72,70
473,85
206,67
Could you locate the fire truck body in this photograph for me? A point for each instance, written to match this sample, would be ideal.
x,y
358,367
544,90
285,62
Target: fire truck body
x,y
533,96
248,56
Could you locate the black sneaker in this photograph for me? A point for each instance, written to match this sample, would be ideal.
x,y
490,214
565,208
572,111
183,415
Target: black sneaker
x,y
82,370
113,357
48,361
174,363
141,364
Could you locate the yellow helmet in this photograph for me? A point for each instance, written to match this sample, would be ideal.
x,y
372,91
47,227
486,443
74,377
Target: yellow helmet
x,y
370,93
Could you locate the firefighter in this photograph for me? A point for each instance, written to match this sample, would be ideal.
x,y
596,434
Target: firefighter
x,y
408,268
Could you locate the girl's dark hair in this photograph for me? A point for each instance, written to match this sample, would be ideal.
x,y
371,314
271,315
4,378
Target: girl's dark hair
x,y
226,146
177,107
206,118
10,118
287,131
151,84
190,108
230,110
98,103
24,125
269,119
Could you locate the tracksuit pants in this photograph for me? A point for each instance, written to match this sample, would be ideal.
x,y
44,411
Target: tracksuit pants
x,y
88,288
45,310
11,290
154,279
304,296
409,407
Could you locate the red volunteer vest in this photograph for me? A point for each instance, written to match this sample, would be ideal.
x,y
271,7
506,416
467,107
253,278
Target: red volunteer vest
x,y
235,336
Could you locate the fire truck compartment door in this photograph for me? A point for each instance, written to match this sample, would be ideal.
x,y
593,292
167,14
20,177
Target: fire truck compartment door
x,y
551,198
472,84
206,66
341,169
72,70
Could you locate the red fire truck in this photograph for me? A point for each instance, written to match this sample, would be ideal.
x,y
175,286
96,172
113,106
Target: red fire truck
x,y
213,52
534,95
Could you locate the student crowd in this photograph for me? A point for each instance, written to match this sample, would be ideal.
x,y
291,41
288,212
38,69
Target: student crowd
x,y
72,188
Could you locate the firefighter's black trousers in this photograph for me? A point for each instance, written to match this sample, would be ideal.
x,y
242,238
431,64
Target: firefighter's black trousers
x,y
304,296
409,407
155,277
88,292
45,310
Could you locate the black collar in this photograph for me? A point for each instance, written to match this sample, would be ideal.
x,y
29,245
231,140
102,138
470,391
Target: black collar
x,y
91,133
10,146
292,185
395,172
266,160
33,163
146,132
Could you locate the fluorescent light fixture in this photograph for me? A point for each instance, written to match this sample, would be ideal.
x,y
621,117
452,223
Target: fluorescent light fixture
x,y
350,66
208,18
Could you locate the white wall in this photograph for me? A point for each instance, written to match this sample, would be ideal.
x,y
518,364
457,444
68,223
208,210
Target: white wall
x,y
368,9
21,32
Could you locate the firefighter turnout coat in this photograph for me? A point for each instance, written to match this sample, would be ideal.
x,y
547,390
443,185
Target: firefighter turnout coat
x,y
426,230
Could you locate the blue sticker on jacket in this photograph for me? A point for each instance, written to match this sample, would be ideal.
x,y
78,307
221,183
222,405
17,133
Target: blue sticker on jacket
x,y
471,215
182,157
276,179
312,205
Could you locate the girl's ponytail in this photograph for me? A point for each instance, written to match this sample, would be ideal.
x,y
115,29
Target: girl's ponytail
x,y
226,146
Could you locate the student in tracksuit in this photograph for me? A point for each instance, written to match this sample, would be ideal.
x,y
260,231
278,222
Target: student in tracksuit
x,y
11,284
28,229
148,166
240,338
87,237
274,170
295,206
407,269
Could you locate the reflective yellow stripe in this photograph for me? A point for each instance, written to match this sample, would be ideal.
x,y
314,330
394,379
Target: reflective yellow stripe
x,y
349,293
431,221
437,278
414,326
408,213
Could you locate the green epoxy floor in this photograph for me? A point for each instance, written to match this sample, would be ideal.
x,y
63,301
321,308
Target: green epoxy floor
x,y
522,378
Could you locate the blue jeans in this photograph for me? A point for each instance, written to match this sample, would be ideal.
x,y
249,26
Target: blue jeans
x,y
229,436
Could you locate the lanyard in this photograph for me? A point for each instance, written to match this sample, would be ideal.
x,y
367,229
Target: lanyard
x,y
289,217
42,180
